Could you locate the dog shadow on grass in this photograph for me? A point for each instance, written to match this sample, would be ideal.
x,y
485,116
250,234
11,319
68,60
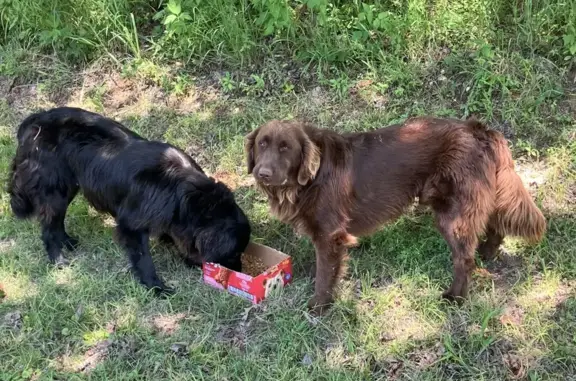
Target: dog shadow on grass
x,y
514,324
388,322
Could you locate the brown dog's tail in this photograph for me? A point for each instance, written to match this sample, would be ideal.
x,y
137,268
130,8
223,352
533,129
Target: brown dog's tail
x,y
516,213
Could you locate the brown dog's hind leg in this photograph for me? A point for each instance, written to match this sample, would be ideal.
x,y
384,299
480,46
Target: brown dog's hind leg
x,y
462,240
490,248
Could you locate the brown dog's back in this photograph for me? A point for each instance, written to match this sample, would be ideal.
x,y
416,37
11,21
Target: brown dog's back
x,y
422,158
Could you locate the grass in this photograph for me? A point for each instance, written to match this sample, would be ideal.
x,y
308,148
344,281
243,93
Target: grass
x,y
202,84
93,320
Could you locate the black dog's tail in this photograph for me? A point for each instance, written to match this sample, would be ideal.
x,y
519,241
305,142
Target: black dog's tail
x,y
20,200
21,204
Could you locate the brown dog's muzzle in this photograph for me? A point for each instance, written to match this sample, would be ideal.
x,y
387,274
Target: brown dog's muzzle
x,y
264,174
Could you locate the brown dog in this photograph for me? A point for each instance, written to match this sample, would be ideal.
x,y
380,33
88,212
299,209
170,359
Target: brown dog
x,y
333,187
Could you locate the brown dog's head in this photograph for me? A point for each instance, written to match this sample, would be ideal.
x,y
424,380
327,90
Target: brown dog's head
x,y
280,153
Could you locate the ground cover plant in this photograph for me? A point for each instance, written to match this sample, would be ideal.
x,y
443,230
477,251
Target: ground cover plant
x,y
201,75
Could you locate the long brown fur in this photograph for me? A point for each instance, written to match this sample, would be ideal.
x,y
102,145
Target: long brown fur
x,y
333,187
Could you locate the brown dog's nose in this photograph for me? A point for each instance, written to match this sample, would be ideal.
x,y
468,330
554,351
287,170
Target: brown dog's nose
x,y
264,173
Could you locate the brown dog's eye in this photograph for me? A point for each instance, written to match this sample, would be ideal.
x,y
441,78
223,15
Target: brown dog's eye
x,y
283,147
262,143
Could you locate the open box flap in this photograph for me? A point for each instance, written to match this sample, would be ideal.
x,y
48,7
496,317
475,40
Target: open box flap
x,y
267,255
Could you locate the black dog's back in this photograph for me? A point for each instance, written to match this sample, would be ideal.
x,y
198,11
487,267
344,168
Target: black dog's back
x,y
149,187
77,120
42,141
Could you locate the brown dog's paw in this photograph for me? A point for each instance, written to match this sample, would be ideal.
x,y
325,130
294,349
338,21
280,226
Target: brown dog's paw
x,y
451,297
488,252
319,306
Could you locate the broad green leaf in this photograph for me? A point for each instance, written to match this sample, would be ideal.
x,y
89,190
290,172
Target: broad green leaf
x,y
169,19
269,29
174,7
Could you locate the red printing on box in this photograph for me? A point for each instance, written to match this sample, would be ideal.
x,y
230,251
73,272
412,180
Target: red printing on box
x,y
251,288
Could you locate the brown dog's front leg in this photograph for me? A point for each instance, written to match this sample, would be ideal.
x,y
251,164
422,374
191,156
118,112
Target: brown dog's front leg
x,y
330,256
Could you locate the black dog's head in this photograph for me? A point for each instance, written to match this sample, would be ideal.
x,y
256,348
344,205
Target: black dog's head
x,y
224,240
212,221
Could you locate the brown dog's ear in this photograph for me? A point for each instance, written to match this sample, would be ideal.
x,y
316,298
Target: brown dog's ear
x,y
310,161
249,149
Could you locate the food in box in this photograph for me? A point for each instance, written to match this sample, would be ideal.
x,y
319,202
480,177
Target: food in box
x,y
256,287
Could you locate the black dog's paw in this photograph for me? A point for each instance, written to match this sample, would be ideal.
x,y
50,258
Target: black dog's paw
x,y
164,292
71,243
159,288
60,262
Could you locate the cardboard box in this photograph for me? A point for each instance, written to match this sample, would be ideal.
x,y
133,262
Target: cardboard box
x,y
257,288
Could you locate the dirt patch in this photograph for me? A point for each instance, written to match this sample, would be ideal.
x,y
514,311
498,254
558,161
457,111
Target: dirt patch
x,y
23,99
6,244
13,320
196,151
424,357
387,369
168,324
512,316
231,180
517,365
506,269
398,322
542,295
94,356
228,178
532,173
6,84
193,100
121,92
235,336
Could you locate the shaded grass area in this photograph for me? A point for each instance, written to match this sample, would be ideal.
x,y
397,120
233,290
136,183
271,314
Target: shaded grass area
x,y
93,320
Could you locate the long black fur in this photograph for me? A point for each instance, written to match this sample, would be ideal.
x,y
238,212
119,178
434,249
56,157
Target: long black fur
x,y
150,188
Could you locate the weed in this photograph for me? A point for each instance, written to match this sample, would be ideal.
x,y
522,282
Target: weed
x,y
227,83
340,85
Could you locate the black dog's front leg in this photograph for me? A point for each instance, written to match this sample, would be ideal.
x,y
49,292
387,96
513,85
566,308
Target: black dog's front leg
x,y
136,245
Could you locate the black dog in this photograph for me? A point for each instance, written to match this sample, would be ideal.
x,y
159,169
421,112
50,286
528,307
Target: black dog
x,y
150,188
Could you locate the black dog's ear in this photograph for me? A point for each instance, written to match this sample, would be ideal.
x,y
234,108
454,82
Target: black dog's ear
x,y
310,160
249,149
31,132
